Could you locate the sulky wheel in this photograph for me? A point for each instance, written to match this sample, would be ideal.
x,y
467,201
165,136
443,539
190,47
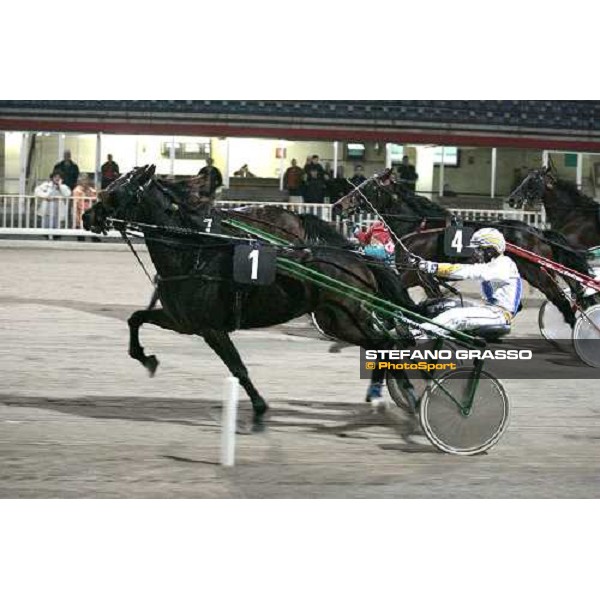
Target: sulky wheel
x,y
553,326
405,391
586,336
450,426
406,388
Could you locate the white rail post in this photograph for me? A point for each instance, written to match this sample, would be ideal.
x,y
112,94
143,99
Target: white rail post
x,y
231,394
388,155
98,165
441,175
335,159
282,156
493,174
23,171
172,156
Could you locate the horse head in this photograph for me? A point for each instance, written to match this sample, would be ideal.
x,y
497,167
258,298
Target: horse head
x,y
361,198
119,200
350,204
532,188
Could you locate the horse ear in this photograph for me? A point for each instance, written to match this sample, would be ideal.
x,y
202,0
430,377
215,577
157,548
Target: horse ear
x,y
145,174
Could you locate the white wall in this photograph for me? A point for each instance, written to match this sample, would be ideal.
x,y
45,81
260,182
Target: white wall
x,y
12,162
473,175
424,167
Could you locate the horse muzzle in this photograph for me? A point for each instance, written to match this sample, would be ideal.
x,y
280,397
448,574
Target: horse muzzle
x,y
93,221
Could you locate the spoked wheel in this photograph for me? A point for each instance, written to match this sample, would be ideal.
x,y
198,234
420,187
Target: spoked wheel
x,y
553,326
447,422
586,336
407,391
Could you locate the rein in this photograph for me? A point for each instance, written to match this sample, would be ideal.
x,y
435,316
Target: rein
x,y
126,238
140,227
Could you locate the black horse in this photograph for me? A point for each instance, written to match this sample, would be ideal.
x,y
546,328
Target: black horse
x,y
569,211
421,223
195,275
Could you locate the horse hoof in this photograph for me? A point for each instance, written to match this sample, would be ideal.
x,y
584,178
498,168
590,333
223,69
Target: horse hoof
x,y
258,426
151,364
258,422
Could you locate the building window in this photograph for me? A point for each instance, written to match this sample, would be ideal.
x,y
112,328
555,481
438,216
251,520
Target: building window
x,y
451,156
186,150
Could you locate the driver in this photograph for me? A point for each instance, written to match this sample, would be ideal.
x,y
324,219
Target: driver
x,y
376,242
501,285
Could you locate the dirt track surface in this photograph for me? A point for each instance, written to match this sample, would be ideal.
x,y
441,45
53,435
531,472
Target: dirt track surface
x,y
79,418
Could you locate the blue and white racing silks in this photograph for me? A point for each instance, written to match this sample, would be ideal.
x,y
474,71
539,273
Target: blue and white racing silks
x,y
501,284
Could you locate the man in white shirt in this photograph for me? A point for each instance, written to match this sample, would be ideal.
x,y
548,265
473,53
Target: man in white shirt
x,y
501,284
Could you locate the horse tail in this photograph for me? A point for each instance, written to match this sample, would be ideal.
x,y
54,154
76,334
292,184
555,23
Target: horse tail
x,y
389,286
565,254
317,230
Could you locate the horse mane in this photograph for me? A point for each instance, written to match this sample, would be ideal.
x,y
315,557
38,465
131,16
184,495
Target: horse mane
x,y
424,207
578,198
187,193
318,230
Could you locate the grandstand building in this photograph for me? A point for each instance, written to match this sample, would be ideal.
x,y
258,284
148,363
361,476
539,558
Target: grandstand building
x,y
477,150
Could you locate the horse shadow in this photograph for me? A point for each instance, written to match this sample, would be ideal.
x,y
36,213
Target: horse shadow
x,y
360,422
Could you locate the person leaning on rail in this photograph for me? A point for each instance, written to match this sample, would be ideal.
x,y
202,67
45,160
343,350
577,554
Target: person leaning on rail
x,y
52,209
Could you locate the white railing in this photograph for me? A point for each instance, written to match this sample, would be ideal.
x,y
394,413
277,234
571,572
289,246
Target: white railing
x,y
42,216
25,215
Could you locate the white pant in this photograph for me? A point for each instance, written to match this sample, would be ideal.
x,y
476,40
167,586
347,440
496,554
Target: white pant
x,y
470,317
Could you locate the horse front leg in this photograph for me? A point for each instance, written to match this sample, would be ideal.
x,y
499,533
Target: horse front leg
x,y
135,321
221,343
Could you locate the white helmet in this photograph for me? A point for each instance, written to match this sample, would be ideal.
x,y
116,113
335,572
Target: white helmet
x,y
488,237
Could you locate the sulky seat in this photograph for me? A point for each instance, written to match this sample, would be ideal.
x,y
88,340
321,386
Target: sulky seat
x,y
490,333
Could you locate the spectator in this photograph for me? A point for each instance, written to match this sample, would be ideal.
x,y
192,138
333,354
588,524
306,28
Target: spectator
x,y
315,181
109,172
244,172
213,176
83,195
52,208
358,176
68,170
407,174
292,181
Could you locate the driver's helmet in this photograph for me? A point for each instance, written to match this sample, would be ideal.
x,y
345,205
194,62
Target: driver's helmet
x,y
488,237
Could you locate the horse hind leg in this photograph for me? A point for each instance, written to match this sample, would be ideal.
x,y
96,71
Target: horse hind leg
x,y
135,321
